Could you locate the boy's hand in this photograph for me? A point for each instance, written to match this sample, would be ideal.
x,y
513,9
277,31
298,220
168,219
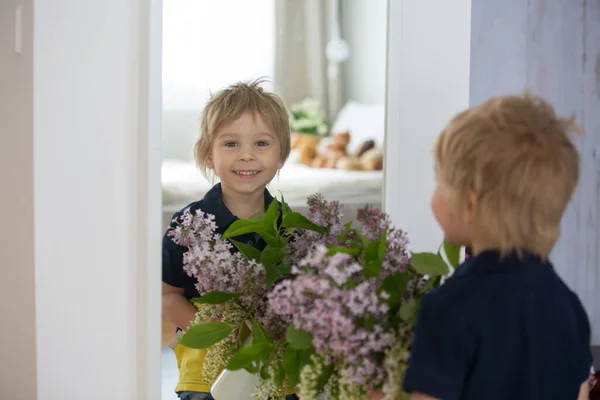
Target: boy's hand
x,y
375,395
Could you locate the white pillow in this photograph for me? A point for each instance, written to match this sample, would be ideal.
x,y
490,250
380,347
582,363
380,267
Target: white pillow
x,y
363,121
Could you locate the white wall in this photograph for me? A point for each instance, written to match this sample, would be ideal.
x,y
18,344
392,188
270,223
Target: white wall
x,y
428,81
364,26
93,190
555,51
17,294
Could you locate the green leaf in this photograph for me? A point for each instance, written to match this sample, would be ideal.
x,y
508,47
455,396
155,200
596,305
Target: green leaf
x,y
268,258
339,249
251,369
247,355
324,378
371,250
372,269
250,252
305,356
452,253
429,264
275,266
278,374
395,286
285,208
292,365
271,217
350,283
293,362
272,240
206,334
280,271
374,255
216,297
375,249
431,283
382,250
259,335
264,372
408,311
344,233
298,338
297,220
243,226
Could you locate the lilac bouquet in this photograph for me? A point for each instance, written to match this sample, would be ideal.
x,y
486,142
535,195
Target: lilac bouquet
x,y
331,306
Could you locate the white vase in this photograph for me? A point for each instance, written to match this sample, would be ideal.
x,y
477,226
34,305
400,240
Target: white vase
x,y
235,385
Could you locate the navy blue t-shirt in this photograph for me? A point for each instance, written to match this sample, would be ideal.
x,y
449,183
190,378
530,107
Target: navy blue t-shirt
x,y
500,329
172,254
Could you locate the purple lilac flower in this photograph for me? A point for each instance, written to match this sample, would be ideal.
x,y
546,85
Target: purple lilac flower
x,y
320,304
323,213
373,223
209,259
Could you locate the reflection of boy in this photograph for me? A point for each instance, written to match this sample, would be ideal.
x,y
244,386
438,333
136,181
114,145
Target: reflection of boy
x,y
244,141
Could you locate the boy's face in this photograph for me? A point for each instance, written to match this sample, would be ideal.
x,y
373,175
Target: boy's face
x,y
246,154
452,222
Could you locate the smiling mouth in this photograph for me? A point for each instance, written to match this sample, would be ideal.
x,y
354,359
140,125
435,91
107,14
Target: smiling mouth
x,y
246,173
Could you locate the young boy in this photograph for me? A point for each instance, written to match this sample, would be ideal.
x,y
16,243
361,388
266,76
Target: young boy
x,y
504,326
244,141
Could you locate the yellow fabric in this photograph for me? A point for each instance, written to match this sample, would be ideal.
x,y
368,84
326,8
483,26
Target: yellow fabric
x,y
190,363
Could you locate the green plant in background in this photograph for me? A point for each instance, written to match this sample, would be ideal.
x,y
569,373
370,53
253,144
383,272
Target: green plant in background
x,y
308,117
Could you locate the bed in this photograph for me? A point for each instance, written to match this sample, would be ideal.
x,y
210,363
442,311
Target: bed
x,y
183,183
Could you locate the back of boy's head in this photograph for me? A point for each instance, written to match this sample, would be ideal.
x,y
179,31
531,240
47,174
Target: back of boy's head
x,y
231,103
514,155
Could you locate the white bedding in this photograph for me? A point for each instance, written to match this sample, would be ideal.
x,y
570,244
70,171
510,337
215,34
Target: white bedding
x,y
182,183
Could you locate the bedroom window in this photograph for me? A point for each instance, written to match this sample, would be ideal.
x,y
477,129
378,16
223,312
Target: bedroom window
x,y
209,44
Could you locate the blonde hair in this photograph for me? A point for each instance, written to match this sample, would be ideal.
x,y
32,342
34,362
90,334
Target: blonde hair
x,y
232,102
515,156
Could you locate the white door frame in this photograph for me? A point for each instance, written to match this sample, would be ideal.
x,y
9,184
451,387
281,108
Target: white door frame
x,y
150,210
428,62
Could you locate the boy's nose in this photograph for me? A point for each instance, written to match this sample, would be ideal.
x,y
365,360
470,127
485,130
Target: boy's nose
x,y
247,154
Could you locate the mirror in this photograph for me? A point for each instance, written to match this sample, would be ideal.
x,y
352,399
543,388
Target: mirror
x,y
326,59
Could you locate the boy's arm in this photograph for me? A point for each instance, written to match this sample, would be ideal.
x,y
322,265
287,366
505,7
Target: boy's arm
x,y
420,396
413,396
176,308
584,391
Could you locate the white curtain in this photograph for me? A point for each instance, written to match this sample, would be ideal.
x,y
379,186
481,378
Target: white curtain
x,y
303,29
210,44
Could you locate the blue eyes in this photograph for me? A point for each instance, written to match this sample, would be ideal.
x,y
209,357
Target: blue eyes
x,y
260,143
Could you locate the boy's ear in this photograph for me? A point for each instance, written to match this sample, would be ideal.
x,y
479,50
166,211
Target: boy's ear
x,y
472,204
209,163
472,199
